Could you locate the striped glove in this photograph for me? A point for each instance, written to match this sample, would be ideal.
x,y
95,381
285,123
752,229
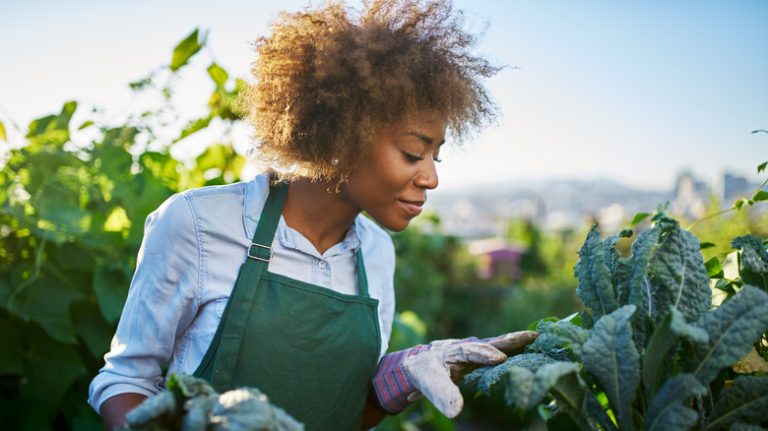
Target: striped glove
x,y
431,370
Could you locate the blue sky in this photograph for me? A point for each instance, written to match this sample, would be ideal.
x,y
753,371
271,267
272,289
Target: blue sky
x,y
632,91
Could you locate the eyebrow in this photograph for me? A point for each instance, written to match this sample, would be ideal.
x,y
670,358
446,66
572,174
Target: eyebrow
x,y
425,138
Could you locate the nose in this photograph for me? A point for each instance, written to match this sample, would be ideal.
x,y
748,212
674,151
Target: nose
x,y
426,178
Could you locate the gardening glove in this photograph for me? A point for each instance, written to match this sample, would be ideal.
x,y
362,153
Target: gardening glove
x,y
430,370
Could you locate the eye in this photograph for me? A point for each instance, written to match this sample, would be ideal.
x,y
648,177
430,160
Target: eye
x,y
413,158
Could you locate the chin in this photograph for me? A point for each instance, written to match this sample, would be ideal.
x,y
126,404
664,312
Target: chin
x,y
394,225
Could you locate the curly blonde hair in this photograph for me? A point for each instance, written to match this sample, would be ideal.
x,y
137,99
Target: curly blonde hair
x,y
328,79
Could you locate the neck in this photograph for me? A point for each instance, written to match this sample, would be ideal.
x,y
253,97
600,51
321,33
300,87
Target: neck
x,y
318,212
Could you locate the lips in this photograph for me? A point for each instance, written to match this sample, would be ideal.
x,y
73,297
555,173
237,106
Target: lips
x,y
412,208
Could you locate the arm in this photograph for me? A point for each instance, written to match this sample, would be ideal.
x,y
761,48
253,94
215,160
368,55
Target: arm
x,y
114,409
373,414
160,304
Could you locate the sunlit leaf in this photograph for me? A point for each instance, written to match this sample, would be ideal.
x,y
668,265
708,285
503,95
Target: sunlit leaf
x,y
218,74
186,49
85,124
714,268
761,195
638,218
3,135
194,126
117,221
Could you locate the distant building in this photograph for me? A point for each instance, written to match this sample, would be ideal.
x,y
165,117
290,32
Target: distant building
x,y
690,196
734,187
497,258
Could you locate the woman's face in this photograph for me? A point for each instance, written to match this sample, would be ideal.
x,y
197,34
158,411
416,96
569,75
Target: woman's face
x,y
391,183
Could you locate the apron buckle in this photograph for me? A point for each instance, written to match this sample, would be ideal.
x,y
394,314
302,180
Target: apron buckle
x,y
258,254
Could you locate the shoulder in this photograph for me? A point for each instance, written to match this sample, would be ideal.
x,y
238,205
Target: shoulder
x,y
209,207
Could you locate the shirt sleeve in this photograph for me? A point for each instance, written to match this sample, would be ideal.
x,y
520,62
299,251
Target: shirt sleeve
x,y
162,300
387,300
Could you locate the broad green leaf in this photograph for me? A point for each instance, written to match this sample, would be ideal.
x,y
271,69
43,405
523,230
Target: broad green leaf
x,y
657,361
12,354
714,268
218,74
40,125
638,218
733,327
595,287
3,135
483,379
93,331
60,205
761,195
679,277
526,389
45,300
111,288
638,283
610,355
669,409
745,401
50,367
161,166
761,167
186,49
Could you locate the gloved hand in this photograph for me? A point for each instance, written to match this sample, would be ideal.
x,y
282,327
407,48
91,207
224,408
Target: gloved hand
x,y
432,369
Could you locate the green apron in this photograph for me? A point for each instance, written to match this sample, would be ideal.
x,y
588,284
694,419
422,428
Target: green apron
x,y
313,351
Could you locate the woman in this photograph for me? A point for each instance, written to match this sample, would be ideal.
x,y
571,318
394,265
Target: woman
x,y
352,113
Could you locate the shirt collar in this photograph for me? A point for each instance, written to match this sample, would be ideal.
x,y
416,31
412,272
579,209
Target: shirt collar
x,y
255,196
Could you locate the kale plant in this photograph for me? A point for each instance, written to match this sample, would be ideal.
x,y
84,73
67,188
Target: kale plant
x,y
649,351
191,404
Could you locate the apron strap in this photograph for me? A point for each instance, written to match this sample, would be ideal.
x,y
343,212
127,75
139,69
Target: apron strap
x,y
362,278
239,306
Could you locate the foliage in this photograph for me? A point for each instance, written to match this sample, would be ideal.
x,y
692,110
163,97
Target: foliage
x,y
191,404
71,223
650,352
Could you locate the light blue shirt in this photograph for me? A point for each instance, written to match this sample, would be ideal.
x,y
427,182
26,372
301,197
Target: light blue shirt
x,y
193,246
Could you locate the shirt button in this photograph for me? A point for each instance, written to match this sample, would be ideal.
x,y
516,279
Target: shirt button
x,y
322,264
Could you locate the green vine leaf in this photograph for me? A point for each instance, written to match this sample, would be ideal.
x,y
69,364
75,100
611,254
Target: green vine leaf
x,y
760,196
188,47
